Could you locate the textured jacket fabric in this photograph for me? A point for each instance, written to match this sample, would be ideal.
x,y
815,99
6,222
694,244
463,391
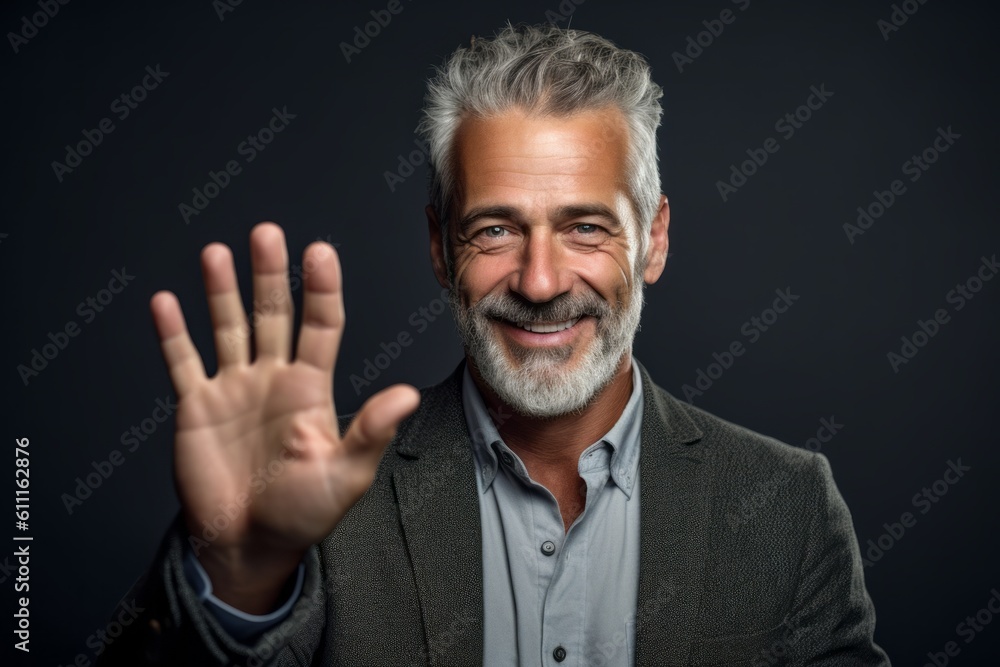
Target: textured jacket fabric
x,y
748,557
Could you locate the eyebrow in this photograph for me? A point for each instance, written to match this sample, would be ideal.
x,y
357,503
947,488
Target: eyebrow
x,y
561,213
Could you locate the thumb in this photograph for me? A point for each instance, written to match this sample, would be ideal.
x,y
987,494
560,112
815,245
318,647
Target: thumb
x,y
377,420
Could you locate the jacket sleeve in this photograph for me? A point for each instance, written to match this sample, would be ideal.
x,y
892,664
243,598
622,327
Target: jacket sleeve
x,y
833,620
169,624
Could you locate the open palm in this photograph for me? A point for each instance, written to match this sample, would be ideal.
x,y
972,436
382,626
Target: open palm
x,y
261,470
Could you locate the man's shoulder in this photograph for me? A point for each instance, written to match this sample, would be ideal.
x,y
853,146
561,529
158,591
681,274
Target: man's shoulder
x,y
736,451
754,478
728,438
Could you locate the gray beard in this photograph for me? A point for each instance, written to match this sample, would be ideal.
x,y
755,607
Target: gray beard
x,y
536,384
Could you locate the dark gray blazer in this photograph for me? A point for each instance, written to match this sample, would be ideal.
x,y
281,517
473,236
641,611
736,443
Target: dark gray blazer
x,y
748,558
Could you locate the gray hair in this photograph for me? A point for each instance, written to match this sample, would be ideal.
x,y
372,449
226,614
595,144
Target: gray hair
x,y
547,70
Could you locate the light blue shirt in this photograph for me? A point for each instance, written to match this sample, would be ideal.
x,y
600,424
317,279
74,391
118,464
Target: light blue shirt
x,y
551,597
549,593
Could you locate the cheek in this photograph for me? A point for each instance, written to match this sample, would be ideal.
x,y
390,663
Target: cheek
x,y
607,272
478,274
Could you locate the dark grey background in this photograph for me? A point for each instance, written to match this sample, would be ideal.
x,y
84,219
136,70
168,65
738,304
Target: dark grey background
x,y
324,177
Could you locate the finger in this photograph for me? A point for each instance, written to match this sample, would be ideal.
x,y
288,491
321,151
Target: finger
x,y
183,361
272,297
229,319
322,307
377,420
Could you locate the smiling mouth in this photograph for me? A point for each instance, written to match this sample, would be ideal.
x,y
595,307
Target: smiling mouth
x,y
547,327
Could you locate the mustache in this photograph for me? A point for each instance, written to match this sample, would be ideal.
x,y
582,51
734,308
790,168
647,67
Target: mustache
x,y
514,308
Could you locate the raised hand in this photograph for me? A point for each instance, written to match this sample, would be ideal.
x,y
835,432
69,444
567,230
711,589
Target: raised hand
x,y
261,470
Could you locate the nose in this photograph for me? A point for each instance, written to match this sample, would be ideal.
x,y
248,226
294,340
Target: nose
x,y
542,274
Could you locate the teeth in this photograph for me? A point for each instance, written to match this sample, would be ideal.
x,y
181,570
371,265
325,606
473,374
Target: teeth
x,y
548,328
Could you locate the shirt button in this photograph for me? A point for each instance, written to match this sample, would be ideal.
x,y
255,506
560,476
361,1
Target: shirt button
x,y
559,653
507,458
548,548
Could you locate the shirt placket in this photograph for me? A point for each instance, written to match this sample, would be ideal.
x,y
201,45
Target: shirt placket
x,y
561,559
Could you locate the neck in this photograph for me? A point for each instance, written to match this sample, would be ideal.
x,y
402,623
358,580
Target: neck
x,y
557,442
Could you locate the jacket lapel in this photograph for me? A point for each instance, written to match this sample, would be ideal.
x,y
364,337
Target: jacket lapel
x,y
673,529
435,486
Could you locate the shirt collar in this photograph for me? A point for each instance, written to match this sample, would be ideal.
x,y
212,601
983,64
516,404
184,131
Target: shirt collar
x,y
623,437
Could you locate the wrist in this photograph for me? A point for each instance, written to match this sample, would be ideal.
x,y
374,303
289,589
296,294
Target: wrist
x,y
251,580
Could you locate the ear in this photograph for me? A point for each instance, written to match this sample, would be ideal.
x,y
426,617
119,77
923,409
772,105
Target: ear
x,y
656,254
437,246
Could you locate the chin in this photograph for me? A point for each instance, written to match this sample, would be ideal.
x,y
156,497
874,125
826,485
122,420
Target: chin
x,y
546,383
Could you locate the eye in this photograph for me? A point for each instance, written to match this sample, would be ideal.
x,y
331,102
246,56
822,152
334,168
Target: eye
x,y
494,232
587,234
592,231
494,237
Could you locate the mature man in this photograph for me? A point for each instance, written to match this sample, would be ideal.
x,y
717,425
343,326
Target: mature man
x,y
499,521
